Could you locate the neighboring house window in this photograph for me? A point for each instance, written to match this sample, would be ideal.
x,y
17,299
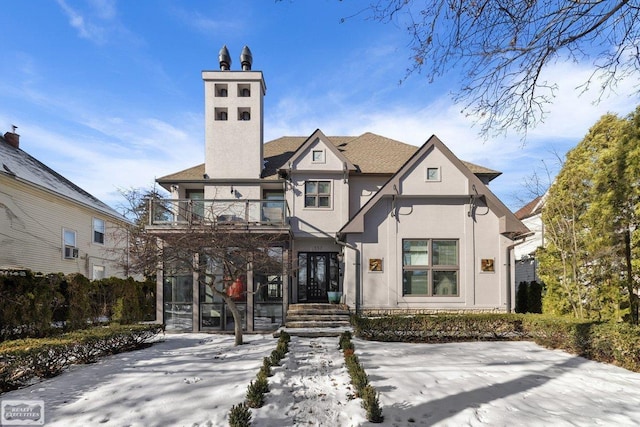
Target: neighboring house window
x,y
98,272
98,230
317,194
433,174
69,244
430,267
317,156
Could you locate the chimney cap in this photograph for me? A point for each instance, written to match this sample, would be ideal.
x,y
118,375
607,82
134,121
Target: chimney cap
x,y
246,59
224,58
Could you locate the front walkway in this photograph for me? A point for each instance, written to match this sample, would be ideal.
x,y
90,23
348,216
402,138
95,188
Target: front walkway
x,y
311,388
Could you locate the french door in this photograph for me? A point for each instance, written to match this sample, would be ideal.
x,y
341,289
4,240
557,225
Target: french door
x,y
317,274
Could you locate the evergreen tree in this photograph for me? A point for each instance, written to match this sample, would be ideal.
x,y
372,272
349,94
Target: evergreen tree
x,y
591,218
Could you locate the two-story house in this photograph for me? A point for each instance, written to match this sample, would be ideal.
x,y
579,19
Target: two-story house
x,y
50,225
391,226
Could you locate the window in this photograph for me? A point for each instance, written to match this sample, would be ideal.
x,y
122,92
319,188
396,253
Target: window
x,y
433,174
221,113
98,272
244,90
317,156
244,114
221,90
430,267
317,194
98,230
69,244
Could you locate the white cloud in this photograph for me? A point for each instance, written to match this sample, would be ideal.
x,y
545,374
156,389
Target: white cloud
x,y
104,9
413,119
86,30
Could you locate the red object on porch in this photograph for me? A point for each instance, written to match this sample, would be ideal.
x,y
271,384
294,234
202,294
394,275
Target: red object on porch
x,y
237,289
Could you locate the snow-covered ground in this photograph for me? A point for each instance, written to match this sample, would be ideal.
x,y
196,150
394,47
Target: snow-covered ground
x,y
194,379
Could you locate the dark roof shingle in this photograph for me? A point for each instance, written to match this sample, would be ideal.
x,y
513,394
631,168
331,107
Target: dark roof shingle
x,y
370,153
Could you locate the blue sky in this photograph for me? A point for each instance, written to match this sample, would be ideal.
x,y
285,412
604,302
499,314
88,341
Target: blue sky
x,y
110,95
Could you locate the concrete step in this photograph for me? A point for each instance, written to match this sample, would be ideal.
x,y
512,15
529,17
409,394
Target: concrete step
x,y
320,312
313,332
317,315
307,317
310,324
318,306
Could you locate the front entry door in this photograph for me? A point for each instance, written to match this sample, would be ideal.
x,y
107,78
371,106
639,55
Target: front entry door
x,y
317,274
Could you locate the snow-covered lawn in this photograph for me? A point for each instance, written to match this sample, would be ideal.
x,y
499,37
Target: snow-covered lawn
x,y
194,379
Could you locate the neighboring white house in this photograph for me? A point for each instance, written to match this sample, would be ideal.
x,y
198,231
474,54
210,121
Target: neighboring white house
x,y
525,253
50,225
392,226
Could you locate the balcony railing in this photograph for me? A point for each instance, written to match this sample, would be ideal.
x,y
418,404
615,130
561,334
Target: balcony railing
x,y
223,212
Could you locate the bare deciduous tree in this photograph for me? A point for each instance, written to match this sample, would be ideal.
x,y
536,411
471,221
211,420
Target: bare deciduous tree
x,y
501,47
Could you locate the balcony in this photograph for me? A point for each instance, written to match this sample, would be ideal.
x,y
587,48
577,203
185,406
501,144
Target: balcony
x,y
169,213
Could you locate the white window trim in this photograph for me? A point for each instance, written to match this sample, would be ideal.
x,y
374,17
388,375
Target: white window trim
x,y
426,174
73,249
430,268
304,195
323,154
93,231
93,272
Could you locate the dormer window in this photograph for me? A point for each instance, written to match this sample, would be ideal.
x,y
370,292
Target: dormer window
x,y
317,156
244,91
433,174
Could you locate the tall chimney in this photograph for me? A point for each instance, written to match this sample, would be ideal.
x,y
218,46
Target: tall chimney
x,y
12,138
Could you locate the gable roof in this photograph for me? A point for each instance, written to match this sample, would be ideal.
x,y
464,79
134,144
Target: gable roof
x,y
369,153
509,224
318,135
530,209
19,165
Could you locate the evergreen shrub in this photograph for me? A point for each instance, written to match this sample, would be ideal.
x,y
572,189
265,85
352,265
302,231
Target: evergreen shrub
x,y
240,416
45,305
360,381
371,404
617,343
256,392
23,360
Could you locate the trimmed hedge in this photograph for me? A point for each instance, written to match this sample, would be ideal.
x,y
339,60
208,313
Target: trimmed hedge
x,y
439,328
360,380
45,305
21,361
240,414
616,343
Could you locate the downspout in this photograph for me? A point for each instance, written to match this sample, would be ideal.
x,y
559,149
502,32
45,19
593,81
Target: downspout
x,y
357,276
508,291
508,258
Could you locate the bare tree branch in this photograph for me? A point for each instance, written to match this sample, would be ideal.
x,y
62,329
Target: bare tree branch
x,y
502,47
